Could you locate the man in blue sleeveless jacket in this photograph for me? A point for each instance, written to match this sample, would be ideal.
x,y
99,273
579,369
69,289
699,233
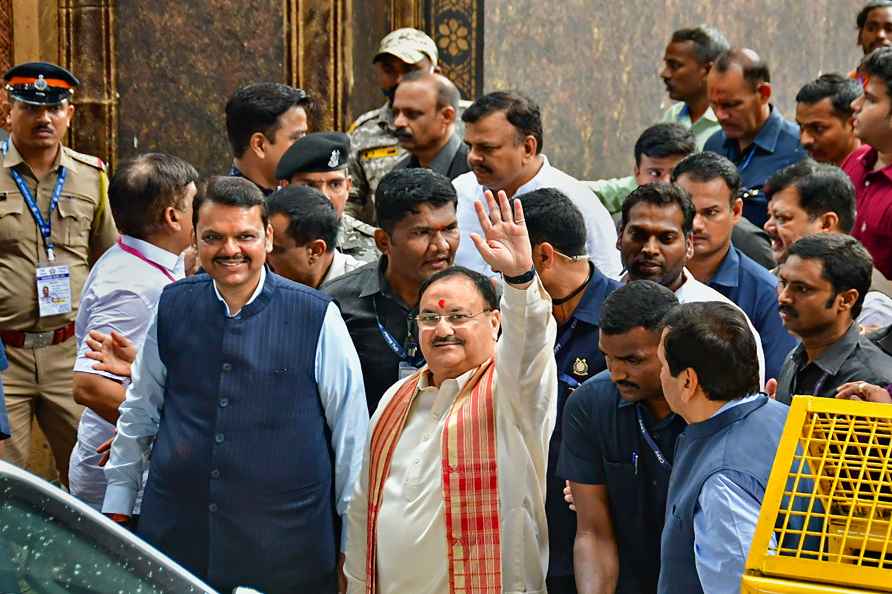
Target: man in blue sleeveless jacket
x,y
251,389
723,458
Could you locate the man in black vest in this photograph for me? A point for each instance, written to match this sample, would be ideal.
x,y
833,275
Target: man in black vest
x,y
418,237
264,418
723,458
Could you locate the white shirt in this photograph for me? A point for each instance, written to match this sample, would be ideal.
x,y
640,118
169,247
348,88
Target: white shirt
x,y
120,294
693,291
341,264
601,243
876,311
341,392
411,530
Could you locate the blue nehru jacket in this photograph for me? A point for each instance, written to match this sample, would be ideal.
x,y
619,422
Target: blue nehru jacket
x,y
754,289
739,441
240,482
775,146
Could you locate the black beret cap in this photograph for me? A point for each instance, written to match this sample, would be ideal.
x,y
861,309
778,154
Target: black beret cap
x,y
314,153
40,83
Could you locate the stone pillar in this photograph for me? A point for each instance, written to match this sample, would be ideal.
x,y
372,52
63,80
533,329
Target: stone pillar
x,y
87,48
319,55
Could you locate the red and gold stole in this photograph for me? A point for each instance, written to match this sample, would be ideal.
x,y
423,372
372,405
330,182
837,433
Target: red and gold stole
x,y
470,482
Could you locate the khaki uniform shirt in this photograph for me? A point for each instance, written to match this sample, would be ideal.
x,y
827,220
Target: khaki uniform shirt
x,y
357,239
82,229
374,153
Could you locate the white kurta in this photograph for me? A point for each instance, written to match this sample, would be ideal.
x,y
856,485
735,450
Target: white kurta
x,y
411,531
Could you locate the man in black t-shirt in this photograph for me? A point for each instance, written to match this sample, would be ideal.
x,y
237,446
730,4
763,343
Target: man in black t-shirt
x,y
618,441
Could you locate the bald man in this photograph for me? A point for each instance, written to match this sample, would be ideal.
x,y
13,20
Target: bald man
x,y
425,110
754,135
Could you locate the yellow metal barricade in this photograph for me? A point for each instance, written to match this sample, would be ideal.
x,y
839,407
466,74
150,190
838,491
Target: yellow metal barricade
x,y
826,519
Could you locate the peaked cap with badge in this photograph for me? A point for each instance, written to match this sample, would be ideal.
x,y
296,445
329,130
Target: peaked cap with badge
x,y
315,153
73,212
40,83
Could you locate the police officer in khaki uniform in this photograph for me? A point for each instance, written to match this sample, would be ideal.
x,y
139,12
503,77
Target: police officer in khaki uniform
x,y
375,147
55,221
320,160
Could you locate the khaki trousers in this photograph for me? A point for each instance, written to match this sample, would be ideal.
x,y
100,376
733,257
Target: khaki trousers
x,y
38,383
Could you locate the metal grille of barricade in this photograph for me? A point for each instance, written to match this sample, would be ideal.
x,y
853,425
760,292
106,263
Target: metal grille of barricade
x,y
826,519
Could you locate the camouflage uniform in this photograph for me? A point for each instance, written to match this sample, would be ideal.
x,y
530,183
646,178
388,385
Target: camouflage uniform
x,y
357,239
375,152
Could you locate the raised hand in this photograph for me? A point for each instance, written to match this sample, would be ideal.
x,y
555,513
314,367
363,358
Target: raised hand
x,y
114,352
505,244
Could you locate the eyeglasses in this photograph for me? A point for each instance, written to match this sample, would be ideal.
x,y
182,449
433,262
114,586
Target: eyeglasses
x,y
456,320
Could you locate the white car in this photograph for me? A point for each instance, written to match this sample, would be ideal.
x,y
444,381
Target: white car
x,y
51,543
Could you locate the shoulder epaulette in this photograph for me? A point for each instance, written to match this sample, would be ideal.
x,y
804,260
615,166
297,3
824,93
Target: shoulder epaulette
x,y
369,115
94,162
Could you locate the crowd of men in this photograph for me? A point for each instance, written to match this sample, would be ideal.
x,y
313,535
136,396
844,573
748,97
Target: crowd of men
x,y
419,357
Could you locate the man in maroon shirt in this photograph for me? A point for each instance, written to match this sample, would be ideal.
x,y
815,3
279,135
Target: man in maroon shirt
x,y
870,167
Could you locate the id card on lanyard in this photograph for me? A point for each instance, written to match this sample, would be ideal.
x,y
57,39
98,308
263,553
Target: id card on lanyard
x,y
410,360
53,280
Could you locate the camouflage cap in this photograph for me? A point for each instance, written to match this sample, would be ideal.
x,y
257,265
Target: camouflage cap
x,y
409,45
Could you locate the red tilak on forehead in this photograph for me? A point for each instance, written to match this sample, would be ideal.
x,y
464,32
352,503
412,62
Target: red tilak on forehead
x,y
442,303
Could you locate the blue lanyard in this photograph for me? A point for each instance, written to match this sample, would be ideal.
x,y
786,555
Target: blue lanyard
x,y
650,441
415,360
44,224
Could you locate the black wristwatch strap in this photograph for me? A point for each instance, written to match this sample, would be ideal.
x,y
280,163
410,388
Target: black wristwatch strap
x,y
523,278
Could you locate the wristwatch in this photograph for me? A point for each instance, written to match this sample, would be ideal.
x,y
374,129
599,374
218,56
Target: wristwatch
x,y
523,278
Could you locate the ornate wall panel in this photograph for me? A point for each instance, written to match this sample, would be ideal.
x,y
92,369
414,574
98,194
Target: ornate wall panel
x,y
319,51
457,26
87,48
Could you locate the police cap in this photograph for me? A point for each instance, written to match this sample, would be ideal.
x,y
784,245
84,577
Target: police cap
x,y
314,153
40,83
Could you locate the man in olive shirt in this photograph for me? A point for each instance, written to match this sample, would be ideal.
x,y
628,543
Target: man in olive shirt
x,y
55,222
418,236
822,287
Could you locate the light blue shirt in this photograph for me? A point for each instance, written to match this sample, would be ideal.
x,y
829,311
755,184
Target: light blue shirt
x,y
725,519
339,380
